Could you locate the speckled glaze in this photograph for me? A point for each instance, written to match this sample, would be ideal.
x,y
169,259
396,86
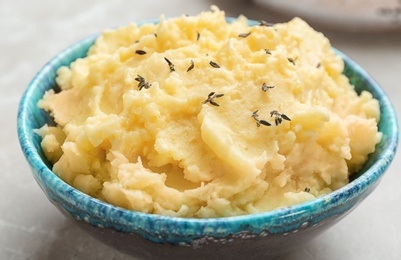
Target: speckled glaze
x,y
149,236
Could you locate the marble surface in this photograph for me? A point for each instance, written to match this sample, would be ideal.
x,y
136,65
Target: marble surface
x,y
34,31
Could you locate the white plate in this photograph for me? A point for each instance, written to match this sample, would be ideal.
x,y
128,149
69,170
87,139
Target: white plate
x,y
346,15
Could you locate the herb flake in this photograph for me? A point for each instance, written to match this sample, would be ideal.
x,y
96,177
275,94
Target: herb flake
x,y
170,64
140,52
244,35
191,66
211,97
264,23
142,82
278,117
266,87
292,60
214,64
259,122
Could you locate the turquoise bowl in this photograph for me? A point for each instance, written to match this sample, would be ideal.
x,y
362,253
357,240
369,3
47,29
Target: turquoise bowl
x,y
148,236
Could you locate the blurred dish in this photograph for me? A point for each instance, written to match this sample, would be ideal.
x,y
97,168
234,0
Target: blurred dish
x,y
345,15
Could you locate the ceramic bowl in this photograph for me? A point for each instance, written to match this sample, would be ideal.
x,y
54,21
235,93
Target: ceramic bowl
x,y
148,236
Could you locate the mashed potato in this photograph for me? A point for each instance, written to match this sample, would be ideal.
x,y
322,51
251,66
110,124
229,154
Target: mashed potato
x,y
197,117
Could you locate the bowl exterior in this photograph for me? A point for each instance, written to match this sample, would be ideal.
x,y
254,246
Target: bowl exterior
x,y
157,237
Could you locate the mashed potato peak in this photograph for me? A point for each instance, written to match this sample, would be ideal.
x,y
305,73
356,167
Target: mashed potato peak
x,y
197,117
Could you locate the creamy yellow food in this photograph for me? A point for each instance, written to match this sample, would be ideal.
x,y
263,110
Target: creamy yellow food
x,y
197,117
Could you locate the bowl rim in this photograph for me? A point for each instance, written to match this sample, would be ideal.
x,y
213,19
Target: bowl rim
x,y
205,226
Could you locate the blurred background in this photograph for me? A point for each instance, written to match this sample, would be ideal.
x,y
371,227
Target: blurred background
x,y
32,32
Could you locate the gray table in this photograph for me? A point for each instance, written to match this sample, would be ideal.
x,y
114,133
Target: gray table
x,y
31,32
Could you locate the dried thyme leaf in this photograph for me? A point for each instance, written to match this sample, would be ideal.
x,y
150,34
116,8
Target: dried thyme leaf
x,y
142,82
214,64
170,64
214,103
266,87
211,97
263,122
264,23
140,52
279,117
259,122
292,60
191,66
285,117
244,35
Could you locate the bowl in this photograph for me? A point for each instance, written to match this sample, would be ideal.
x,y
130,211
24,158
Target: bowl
x,y
149,236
